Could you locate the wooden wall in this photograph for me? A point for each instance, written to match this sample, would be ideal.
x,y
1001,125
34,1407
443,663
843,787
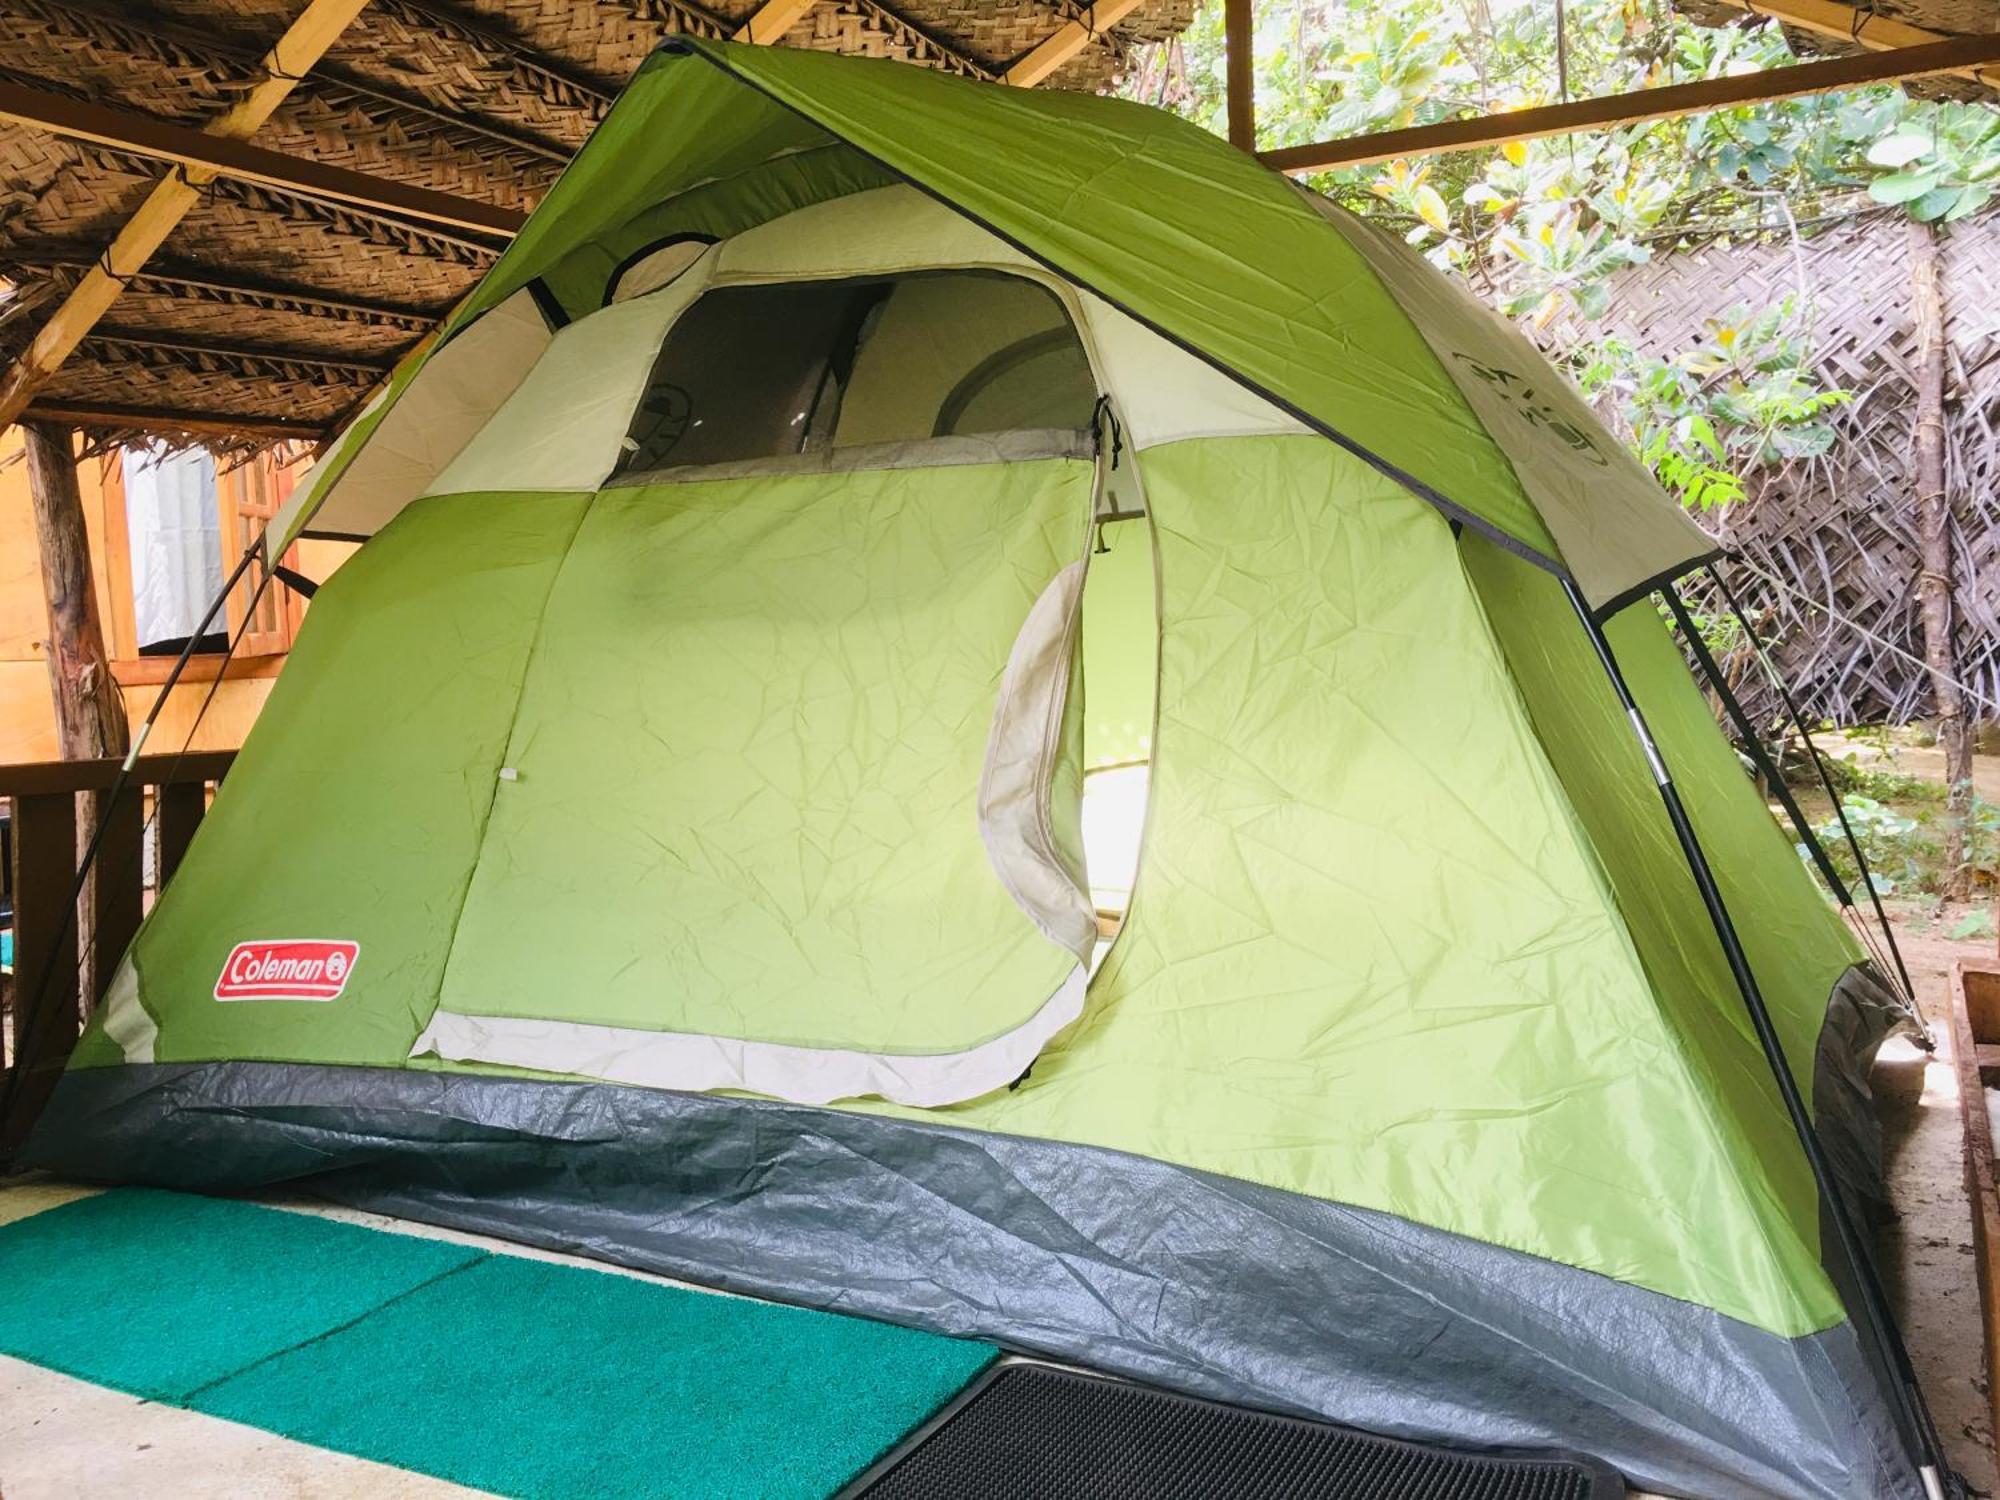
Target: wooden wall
x,y
27,713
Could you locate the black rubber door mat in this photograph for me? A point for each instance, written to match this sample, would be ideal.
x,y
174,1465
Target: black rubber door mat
x,y
1032,1432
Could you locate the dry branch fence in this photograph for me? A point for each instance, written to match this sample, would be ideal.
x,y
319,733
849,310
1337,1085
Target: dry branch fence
x,y
1843,529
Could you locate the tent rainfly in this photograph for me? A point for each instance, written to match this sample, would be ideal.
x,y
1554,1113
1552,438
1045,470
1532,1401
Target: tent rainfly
x,y
676,832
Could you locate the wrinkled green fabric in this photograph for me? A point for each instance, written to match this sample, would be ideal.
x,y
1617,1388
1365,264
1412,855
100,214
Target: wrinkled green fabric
x,y
1797,944
1372,956
359,799
1405,936
1177,227
749,755
1157,215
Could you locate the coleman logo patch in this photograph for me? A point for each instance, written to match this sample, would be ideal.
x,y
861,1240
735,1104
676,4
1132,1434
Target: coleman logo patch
x,y
287,969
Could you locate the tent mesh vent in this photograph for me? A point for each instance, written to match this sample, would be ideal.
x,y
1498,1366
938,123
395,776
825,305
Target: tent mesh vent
x,y
1034,1433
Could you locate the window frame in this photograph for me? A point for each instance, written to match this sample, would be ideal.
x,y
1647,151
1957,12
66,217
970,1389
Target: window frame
x,y
240,503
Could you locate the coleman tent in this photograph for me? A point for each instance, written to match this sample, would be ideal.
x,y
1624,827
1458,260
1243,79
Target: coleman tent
x,y
703,824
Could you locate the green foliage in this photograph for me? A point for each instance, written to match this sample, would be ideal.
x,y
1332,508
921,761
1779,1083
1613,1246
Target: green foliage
x,y
1939,167
1539,227
1905,853
1874,781
1977,923
1747,395
1888,840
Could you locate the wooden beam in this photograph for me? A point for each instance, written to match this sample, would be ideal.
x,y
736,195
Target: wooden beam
x,y
1930,60
771,20
1847,23
65,778
305,41
219,156
1068,39
1240,73
172,42
155,419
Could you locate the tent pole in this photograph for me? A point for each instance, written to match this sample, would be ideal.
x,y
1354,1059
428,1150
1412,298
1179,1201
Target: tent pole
x,y
9,1094
1880,1322
1754,742
1811,839
1833,794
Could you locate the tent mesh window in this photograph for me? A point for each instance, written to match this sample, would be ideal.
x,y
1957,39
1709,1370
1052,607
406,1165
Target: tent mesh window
x,y
767,371
1036,1433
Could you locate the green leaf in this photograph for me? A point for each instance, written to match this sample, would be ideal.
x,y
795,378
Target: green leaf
x,y
1430,207
1902,187
1935,204
1900,149
1971,199
1974,924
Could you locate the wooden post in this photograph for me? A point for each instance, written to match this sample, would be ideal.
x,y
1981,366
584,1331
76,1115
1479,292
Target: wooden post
x,y
90,712
1239,63
90,715
1934,582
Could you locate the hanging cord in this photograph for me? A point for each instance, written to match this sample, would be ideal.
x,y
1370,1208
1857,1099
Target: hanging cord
x,y
1877,1322
29,1021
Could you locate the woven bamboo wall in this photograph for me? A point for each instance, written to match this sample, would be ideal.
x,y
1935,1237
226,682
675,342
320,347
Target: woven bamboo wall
x,y
1843,529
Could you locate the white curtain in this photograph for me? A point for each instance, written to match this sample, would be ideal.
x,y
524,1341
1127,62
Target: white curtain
x,y
170,513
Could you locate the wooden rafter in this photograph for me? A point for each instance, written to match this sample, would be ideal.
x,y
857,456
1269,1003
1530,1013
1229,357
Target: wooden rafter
x,y
771,20
200,152
284,364
156,419
1067,40
142,33
1930,60
1865,28
305,41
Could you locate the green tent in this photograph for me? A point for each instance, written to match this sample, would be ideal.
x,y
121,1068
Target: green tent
x,y
962,705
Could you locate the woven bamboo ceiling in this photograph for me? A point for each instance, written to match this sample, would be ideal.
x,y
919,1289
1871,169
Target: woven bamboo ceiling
x,y
265,312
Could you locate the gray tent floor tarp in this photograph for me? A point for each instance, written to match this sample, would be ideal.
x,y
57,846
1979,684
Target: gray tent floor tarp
x,y
1197,1282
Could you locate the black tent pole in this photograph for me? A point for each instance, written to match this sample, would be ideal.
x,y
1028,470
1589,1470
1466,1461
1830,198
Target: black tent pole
x,y
31,1017
1751,739
1876,1317
1825,780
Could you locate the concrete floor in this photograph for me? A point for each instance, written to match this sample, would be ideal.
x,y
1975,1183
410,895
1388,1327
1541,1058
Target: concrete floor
x,y
62,1438
1927,1255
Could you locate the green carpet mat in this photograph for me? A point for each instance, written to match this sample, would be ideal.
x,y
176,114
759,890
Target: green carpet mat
x,y
502,1373
161,1294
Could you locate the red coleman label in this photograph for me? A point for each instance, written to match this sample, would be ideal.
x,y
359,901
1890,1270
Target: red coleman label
x,y
287,969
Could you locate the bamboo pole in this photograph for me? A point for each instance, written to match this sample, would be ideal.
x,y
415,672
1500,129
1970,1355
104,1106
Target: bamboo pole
x,y
1934,581
312,31
1066,41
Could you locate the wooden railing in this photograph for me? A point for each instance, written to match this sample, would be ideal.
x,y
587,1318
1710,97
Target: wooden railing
x,y
44,1005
